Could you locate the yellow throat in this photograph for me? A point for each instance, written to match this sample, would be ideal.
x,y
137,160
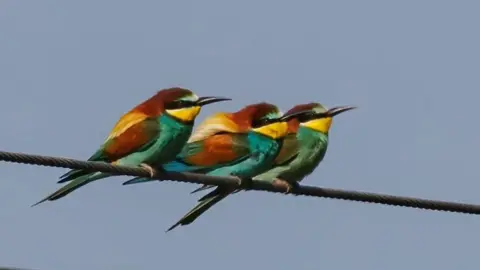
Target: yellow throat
x,y
321,125
274,130
185,114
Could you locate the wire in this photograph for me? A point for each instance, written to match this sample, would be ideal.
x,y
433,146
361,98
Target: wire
x,y
12,268
261,186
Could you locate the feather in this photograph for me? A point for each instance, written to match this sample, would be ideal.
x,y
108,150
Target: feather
x,y
134,130
217,123
213,152
288,151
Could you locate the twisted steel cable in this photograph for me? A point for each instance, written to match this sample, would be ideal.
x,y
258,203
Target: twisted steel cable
x,y
260,186
13,268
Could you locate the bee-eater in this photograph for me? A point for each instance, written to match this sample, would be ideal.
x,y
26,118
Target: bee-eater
x,y
304,147
221,139
244,143
154,131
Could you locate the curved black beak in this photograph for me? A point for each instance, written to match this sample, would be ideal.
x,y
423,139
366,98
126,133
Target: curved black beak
x,y
209,100
338,110
290,116
310,115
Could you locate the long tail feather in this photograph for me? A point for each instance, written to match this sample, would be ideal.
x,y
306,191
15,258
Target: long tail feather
x,y
73,185
138,180
201,208
72,175
203,187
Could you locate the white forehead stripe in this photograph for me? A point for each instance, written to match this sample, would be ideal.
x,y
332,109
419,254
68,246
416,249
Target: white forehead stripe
x,y
320,109
192,97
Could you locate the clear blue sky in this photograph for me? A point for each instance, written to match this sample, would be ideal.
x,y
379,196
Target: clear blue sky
x,y
69,69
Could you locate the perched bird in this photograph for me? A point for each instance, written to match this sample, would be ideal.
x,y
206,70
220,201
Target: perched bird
x,y
304,147
241,144
220,140
153,131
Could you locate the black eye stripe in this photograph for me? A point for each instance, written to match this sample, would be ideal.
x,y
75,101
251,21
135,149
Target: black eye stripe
x,y
178,104
311,116
262,122
306,117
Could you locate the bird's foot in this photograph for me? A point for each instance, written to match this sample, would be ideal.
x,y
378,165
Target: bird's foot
x,y
285,184
149,169
244,183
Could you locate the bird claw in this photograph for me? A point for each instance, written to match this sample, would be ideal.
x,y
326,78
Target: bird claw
x,y
285,184
243,183
149,169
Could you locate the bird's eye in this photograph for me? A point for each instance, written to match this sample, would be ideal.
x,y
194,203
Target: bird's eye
x,y
185,103
260,122
182,104
178,104
305,117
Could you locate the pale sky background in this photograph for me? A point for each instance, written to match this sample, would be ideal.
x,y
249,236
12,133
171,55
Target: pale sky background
x,y
69,69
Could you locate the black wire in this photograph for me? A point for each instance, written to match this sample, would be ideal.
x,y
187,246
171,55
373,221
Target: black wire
x,y
261,186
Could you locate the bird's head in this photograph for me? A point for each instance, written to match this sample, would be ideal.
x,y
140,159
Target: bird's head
x,y
266,119
317,118
183,104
